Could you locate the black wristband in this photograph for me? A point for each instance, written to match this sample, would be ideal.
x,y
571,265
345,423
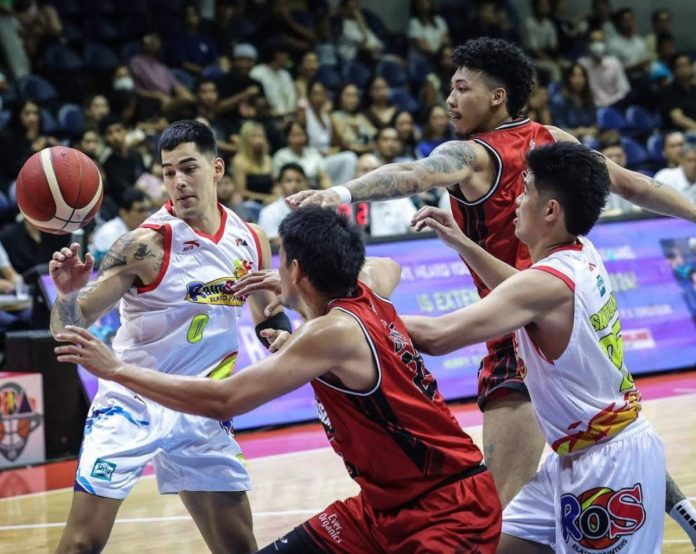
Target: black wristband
x,y
280,322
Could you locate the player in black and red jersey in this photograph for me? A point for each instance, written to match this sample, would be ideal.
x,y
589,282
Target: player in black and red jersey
x,y
422,484
484,174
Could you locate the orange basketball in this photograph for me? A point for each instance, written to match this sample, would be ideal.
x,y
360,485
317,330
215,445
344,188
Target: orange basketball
x,y
59,190
23,427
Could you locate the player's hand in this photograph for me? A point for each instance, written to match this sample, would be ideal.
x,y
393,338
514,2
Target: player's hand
x,y
440,221
265,279
276,338
68,272
324,198
88,351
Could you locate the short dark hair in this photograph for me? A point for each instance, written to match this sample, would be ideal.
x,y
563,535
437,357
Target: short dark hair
x,y
502,61
328,247
189,130
577,177
108,121
291,166
130,197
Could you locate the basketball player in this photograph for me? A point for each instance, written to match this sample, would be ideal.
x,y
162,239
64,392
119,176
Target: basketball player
x,y
172,276
603,488
423,487
483,175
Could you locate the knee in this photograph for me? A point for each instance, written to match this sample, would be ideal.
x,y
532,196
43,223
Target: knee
x,y
81,543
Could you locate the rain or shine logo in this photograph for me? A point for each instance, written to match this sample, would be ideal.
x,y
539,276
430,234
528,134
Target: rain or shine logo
x,y
219,291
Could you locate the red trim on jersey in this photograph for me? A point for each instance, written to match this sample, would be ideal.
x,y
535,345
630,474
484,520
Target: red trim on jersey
x,y
553,271
577,246
168,206
218,234
167,253
256,241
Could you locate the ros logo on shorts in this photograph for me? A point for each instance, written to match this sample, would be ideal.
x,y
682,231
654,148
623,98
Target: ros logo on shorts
x,y
599,517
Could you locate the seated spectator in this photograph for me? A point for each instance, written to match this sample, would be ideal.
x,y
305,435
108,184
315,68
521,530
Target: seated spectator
x,y
228,27
538,106
540,38
660,71
280,24
291,179
605,73
616,205
191,49
407,132
134,209
123,165
661,20
154,81
122,78
356,40
306,72
22,137
28,247
435,131
683,177
209,107
278,86
251,166
489,18
673,148
573,108
601,18
629,46
231,197
39,25
95,108
427,31
570,32
354,130
152,184
240,94
437,85
388,146
378,107
11,320
678,104
91,144
14,55
297,152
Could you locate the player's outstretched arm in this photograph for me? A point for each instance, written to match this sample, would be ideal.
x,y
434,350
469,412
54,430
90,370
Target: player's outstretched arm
x,y
450,163
642,190
529,296
320,345
489,268
80,301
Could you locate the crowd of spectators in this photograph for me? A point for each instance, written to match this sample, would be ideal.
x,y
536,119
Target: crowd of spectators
x,y
309,93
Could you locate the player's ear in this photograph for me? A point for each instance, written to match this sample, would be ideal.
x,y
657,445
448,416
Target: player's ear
x,y
553,209
218,168
498,96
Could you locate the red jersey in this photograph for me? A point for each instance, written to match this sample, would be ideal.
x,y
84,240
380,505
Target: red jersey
x,y
398,440
488,220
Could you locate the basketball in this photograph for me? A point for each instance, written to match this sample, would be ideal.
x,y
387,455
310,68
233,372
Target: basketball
x,y
59,190
24,427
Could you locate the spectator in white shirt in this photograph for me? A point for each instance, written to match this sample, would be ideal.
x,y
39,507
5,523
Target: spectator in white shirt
x,y
356,37
298,152
616,205
541,38
135,207
605,73
292,179
628,45
277,82
427,31
682,178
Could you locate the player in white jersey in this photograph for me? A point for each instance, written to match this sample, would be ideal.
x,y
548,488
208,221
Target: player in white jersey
x,y
173,278
603,487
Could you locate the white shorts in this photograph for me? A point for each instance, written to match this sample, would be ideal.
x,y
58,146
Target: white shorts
x,y
607,498
123,432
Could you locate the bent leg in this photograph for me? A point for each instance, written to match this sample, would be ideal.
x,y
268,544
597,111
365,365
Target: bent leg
x,y
512,442
223,518
89,523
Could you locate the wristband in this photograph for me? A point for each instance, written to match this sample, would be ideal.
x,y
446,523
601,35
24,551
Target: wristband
x,y
343,193
279,322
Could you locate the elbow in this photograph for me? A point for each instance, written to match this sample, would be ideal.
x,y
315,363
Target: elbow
x,y
431,341
221,406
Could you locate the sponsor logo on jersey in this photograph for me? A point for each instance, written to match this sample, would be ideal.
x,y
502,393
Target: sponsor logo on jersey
x,y
601,287
103,470
190,245
218,291
600,518
241,242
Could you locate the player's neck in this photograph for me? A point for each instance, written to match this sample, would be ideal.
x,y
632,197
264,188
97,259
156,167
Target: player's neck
x,y
550,245
208,222
496,120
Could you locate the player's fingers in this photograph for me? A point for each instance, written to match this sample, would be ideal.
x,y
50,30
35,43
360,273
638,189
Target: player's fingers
x,y
66,252
89,262
81,331
272,307
420,214
75,247
434,224
69,349
73,338
68,359
296,199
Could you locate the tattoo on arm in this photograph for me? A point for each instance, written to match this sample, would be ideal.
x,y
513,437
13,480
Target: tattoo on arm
x,y
66,311
657,184
142,252
399,180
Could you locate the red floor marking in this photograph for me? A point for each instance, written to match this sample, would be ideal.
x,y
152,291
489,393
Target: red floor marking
x,y
307,436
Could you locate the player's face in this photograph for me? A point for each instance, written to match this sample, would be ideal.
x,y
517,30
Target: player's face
x,y
530,207
191,179
288,294
470,101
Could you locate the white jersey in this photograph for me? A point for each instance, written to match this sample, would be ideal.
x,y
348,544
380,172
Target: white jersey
x,y
185,321
587,395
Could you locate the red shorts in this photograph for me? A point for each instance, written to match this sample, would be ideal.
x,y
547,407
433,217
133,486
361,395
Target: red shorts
x,y
500,371
462,517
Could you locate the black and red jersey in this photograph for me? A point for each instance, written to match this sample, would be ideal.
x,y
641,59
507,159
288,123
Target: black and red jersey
x,y
489,220
398,440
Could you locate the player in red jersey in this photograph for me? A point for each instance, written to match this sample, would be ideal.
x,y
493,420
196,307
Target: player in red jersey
x,y
484,174
423,486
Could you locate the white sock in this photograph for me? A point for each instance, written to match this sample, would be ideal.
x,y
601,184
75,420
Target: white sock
x,y
684,514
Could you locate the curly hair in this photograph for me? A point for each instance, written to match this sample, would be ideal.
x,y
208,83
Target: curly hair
x,y
502,61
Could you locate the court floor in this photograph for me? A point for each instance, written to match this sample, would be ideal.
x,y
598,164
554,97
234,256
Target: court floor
x,y
294,475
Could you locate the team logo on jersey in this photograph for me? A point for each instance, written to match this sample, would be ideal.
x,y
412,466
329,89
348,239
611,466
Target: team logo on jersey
x,y
600,518
103,470
190,245
241,242
218,291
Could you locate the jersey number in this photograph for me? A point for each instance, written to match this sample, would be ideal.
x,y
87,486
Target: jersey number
x,y
195,330
423,379
612,344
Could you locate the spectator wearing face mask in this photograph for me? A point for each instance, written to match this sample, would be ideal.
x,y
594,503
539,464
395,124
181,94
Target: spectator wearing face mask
x,y
607,78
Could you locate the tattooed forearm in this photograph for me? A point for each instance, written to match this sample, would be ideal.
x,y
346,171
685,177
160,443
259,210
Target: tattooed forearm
x,y
66,311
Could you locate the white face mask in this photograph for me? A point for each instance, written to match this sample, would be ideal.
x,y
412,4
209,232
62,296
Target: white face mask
x,y
124,83
598,49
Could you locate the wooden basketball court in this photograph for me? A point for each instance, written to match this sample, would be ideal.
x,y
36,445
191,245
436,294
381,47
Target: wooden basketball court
x,y
290,487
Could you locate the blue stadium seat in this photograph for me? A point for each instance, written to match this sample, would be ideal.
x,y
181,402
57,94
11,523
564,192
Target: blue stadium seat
x,y
100,28
71,31
212,72
356,73
554,88
49,125
99,57
610,118
635,153
71,120
654,146
37,89
418,69
129,50
329,77
403,100
62,58
394,73
185,78
640,120
5,116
